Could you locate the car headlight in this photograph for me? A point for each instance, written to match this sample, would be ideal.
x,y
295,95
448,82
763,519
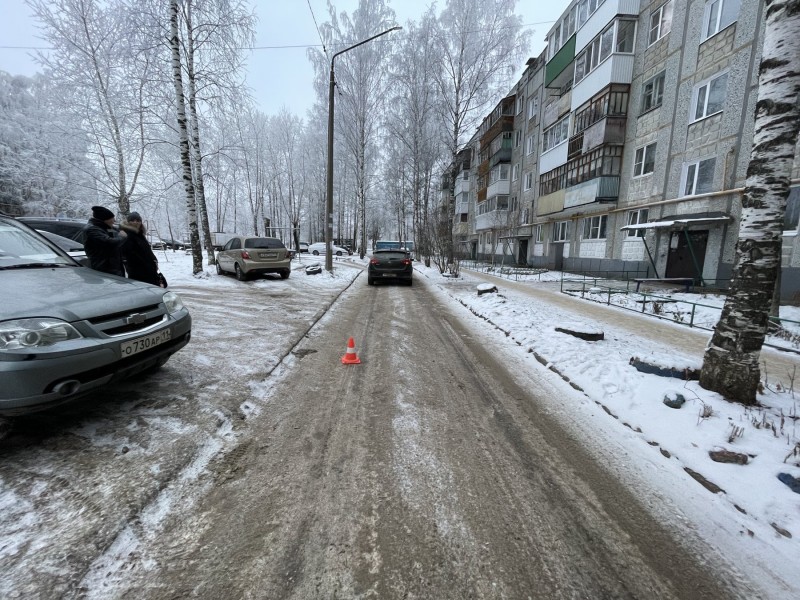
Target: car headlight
x,y
173,302
35,333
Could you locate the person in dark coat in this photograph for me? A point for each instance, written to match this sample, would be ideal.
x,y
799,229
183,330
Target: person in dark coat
x,y
102,243
140,262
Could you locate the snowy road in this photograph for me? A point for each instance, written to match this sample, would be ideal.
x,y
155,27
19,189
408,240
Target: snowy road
x,y
242,471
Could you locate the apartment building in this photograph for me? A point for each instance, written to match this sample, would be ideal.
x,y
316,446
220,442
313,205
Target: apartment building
x,y
630,140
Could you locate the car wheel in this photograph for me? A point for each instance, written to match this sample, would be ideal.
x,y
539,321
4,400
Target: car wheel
x,y
240,275
410,282
285,274
370,281
315,253
219,269
338,253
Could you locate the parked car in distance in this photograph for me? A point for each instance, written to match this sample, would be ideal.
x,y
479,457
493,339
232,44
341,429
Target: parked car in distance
x,y
303,247
68,228
245,256
319,248
174,244
390,265
71,247
66,331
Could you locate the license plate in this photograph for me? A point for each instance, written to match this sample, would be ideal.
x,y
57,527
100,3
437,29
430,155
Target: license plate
x,y
145,343
267,254
390,274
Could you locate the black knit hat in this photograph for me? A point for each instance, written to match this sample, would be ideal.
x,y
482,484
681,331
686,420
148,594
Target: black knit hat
x,y
102,213
134,216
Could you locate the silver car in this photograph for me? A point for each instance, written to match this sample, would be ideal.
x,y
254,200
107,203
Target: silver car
x,y
66,330
246,256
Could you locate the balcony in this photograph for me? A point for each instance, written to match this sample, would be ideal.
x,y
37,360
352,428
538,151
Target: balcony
x,y
601,17
553,158
501,156
505,123
462,185
498,188
555,110
495,219
617,68
600,189
558,72
609,130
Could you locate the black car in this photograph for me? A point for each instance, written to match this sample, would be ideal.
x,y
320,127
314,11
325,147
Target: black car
x,y
390,265
68,228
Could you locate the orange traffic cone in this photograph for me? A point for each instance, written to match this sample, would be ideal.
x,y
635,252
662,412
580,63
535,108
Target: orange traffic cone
x,y
351,358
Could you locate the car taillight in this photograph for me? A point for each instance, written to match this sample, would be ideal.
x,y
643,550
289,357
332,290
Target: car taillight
x,y
245,255
406,261
373,261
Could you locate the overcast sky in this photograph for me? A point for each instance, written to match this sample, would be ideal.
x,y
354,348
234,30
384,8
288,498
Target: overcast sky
x,y
278,76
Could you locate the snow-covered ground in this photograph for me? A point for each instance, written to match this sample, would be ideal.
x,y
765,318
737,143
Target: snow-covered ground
x,y
754,519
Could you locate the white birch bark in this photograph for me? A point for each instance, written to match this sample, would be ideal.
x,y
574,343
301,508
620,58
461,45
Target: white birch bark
x,y
180,104
730,365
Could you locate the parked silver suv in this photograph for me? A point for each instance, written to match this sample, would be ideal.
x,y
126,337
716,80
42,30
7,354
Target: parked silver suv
x,y
66,330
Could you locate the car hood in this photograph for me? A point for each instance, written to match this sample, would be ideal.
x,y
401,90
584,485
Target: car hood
x,y
70,293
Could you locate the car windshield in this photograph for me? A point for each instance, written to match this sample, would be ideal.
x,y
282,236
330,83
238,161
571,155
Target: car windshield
x,y
263,243
19,249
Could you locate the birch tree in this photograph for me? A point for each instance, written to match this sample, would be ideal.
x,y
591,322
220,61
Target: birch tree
x,y
183,130
105,82
730,365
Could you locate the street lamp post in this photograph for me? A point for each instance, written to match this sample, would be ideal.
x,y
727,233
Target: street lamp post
x,y
329,192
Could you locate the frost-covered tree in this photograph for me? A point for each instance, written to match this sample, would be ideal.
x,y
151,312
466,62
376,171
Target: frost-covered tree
x,y
730,365
104,82
43,165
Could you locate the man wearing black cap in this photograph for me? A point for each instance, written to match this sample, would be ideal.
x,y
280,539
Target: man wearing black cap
x,y
102,242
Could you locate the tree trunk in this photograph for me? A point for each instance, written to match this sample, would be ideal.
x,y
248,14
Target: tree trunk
x,y
200,194
730,365
174,42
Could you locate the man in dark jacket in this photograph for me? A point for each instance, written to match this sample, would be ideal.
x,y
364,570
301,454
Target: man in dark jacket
x,y
102,242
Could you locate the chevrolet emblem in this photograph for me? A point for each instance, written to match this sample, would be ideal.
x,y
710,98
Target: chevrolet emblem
x,y
135,319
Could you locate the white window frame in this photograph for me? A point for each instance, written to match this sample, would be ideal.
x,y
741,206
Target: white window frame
x,y
520,104
538,237
530,145
717,16
533,107
662,16
637,217
656,92
644,158
691,174
556,134
517,138
515,172
701,94
561,231
528,180
595,228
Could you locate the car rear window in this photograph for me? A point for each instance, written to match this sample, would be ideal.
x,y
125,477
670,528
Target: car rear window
x,y
391,254
263,243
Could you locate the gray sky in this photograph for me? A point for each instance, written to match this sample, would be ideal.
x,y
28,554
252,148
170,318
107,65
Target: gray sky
x,y
278,76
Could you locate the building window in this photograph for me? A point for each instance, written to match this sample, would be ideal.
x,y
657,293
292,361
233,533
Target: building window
x,y
533,107
709,97
792,215
520,104
613,103
660,23
594,228
517,138
586,9
528,181
653,92
499,173
637,217
515,172
645,161
539,234
617,37
463,218
699,177
718,15
530,145
555,135
561,231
